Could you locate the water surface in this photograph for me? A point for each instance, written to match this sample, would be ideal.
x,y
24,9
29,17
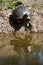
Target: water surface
x,y
21,49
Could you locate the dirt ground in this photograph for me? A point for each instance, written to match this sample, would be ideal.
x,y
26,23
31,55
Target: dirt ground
x,y
36,8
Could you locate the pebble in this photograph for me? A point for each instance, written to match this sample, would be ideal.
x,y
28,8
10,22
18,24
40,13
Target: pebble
x,y
0,31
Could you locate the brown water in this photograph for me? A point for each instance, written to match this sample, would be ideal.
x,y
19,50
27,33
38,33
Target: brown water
x,y
21,49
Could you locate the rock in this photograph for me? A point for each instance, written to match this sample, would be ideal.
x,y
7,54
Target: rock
x,y
0,25
22,29
0,31
1,19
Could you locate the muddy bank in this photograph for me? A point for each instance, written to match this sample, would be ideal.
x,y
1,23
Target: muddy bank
x,y
37,22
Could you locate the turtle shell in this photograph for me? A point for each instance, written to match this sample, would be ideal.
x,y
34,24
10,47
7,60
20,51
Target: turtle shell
x,y
20,11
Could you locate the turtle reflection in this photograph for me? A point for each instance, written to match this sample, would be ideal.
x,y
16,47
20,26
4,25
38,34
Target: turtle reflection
x,y
32,57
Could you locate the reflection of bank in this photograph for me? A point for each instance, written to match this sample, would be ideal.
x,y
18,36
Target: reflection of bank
x,y
22,46
26,45
37,39
34,57
30,49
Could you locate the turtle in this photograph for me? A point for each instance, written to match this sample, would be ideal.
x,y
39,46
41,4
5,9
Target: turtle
x,y
20,17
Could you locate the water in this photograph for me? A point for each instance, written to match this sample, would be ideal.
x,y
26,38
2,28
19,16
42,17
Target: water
x,y
21,49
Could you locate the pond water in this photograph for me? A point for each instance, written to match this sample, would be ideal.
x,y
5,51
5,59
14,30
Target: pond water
x,y
21,49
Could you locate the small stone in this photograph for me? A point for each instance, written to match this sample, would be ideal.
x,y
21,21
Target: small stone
x,y
1,19
0,31
27,24
22,29
5,30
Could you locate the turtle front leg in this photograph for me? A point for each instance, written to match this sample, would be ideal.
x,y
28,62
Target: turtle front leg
x,y
28,26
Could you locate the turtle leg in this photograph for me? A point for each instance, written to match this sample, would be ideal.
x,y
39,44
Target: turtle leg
x,y
29,26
